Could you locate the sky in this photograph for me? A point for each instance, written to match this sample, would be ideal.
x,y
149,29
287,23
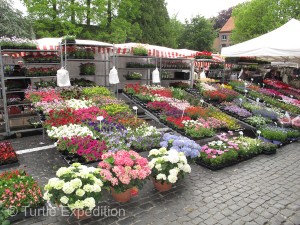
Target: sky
x,y
184,9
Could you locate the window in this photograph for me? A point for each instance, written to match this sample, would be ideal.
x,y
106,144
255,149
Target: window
x,y
224,37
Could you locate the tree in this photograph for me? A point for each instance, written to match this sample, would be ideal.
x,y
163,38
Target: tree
x,y
154,22
256,17
12,22
175,29
222,18
198,34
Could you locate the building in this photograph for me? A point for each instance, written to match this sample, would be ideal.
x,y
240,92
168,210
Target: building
x,y
224,34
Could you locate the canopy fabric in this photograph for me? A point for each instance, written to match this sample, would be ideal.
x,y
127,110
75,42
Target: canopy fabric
x,y
281,44
160,51
53,43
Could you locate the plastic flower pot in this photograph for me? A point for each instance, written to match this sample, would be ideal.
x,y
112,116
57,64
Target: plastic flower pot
x,y
161,187
122,196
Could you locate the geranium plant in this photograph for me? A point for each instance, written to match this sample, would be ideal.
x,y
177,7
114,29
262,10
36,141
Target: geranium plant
x,y
168,165
123,170
76,187
7,153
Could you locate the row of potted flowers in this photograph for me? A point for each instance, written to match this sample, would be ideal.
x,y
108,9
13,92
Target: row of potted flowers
x,y
7,154
189,117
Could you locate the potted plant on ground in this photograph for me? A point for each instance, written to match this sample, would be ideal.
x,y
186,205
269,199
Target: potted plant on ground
x,y
77,187
123,170
167,167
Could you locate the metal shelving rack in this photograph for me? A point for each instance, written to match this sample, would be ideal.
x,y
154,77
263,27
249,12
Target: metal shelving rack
x,y
9,130
146,71
105,61
189,69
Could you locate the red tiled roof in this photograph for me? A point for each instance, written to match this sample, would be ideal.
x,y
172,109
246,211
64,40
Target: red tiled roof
x,y
229,25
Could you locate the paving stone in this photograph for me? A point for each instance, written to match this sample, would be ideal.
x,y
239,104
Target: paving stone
x,y
295,218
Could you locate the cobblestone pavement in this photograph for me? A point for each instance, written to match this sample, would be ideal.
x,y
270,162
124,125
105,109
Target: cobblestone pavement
x,y
264,190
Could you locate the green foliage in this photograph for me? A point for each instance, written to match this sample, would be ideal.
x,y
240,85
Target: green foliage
x,y
256,17
140,50
70,93
257,121
113,109
268,148
178,93
95,91
198,34
4,214
12,22
199,132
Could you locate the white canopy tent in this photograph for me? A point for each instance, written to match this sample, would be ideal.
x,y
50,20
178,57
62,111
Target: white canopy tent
x,y
281,44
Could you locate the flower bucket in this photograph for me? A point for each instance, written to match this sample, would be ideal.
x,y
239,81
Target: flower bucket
x,y
80,214
161,187
121,197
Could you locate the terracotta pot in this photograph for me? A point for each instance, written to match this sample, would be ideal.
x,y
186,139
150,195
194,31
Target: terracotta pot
x,y
161,187
121,197
80,214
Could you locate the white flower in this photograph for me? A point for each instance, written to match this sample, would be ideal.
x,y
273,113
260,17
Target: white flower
x,y
64,199
89,203
172,179
76,183
80,192
47,196
59,185
88,188
258,131
173,156
180,166
98,182
83,174
97,188
79,204
154,152
241,133
158,166
219,143
161,176
67,188
62,171
187,168
135,108
174,171
163,150
53,181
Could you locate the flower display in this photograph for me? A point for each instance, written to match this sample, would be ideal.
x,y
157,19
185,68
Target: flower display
x,y
124,169
168,165
181,144
79,104
76,187
86,147
196,111
233,108
42,95
7,153
69,131
177,121
19,190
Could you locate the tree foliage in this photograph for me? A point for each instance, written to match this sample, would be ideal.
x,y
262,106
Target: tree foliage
x,y
220,20
12,22
257,17
198,34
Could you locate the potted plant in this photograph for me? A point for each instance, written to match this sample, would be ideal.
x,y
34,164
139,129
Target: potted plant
x,y
77,187
123,170
167,167
140,50
69,39
133,76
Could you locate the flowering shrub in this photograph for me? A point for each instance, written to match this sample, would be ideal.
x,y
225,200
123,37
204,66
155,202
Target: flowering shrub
x,y
195,112
203,55
181,144
79,104
144,137
76,187
114,134
177,122
69,131
123,170
158,105
87,147
42,95
7,153
163,93
214,96
168,166
230,107
19,190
